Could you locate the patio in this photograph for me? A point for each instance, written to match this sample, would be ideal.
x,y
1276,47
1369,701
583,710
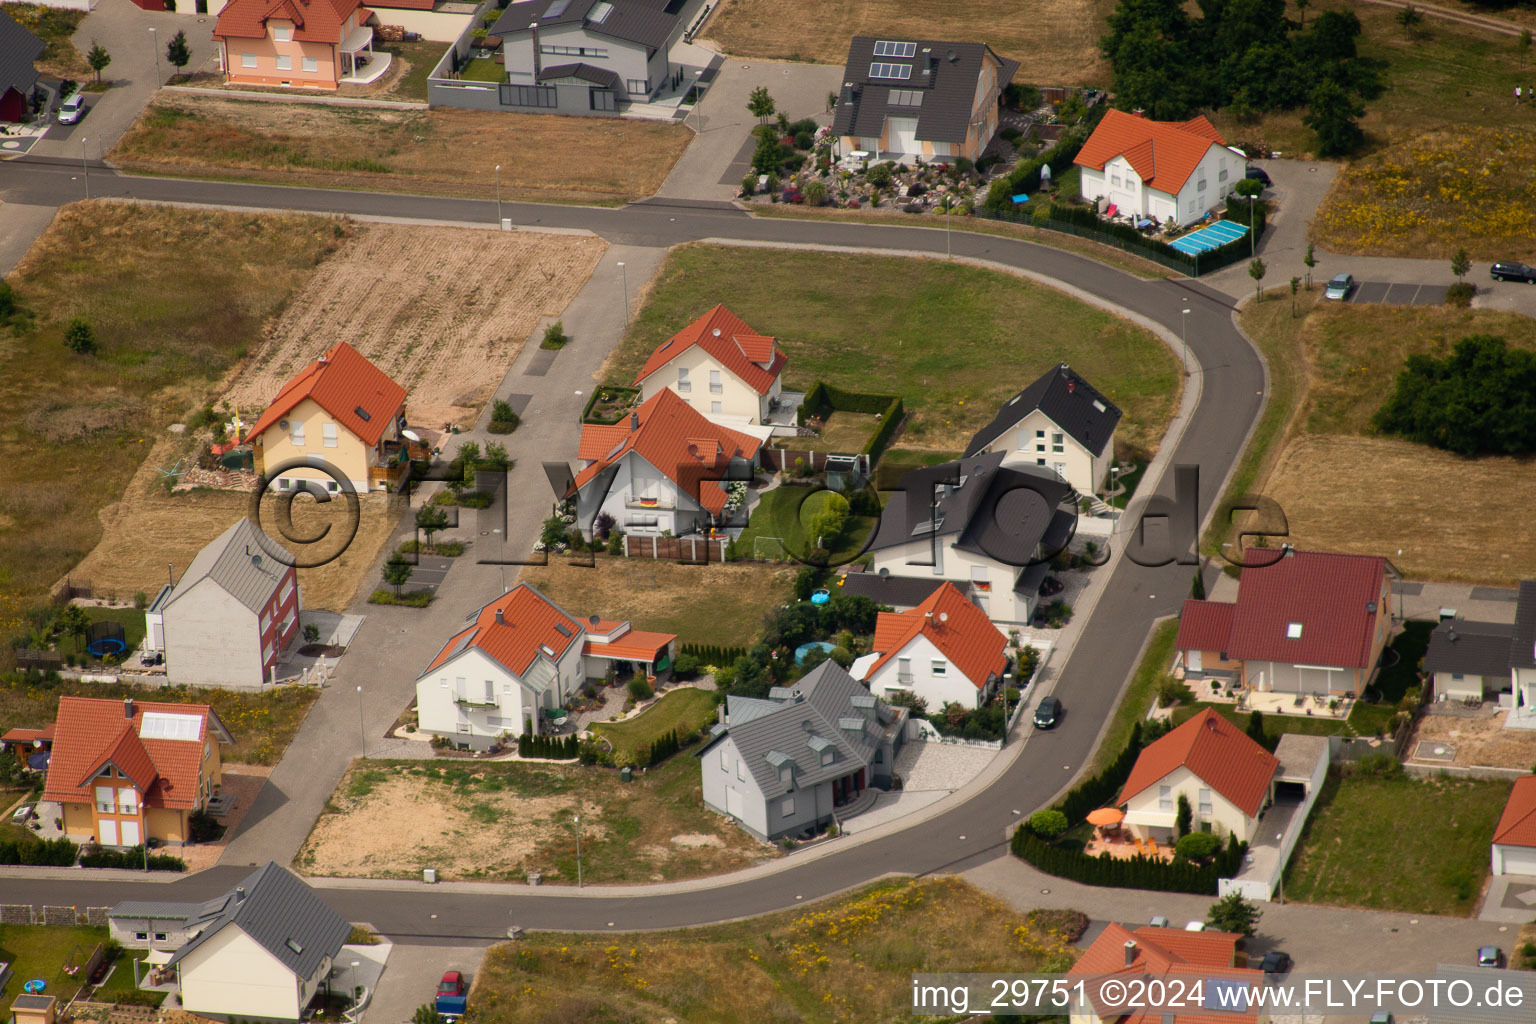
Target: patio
x,y
360,65
1120,844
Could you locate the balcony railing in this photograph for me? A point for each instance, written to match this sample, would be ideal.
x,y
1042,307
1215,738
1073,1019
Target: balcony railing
x,y
646,501
481,701
717,389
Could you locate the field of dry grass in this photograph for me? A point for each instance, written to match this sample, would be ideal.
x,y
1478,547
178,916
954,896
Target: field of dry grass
x,y
499,820
442,152
1055,41
76,428
444,311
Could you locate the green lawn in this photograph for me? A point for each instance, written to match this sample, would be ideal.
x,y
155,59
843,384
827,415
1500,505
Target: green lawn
x,y
1397,844
132,621
954,341
1138,695
785,512
687,710
121,978
842,432
422,57
484,70
1275,726
43,951
1392,683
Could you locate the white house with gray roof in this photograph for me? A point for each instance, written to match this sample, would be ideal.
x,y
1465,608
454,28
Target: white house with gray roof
x,y
786,764
260,951
1059,423
229,617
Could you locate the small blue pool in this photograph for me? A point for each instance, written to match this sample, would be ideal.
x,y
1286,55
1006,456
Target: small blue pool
x,y
804,650
820,597
1213,237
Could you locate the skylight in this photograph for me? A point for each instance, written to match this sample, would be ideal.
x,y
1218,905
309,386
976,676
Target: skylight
x,y
1293,631
159,725
897,71
1099,405
599,12
363,414
293,945
891,48
906,98
562,629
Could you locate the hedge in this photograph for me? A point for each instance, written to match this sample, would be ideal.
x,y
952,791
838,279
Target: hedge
x,y
586,411
53,853
881,438
662,748
823,399
714,654
132,859
558,748
1025,176
1085,222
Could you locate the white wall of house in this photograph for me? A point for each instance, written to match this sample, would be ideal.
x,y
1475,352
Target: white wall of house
x,y
1220,169
1155,809
730,789
1457,685
233,974
1035,440
703,376
1514,860
211,639
473,699
635,478
921,668
1000,602
640,73
1525,687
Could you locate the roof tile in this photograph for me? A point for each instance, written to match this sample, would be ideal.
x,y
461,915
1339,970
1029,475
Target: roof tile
x,y
1217,753
316,21
730,342
1517,825
1163,153
89,731
954,625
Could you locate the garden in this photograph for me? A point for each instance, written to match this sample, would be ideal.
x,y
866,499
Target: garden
x,y
672,722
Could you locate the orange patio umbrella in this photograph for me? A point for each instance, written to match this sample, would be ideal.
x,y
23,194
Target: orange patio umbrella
x,y
1106,816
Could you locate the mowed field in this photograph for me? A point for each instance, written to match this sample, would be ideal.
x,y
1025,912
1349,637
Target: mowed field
x,y
1343,488
442,152
444,311
954,341
1055,41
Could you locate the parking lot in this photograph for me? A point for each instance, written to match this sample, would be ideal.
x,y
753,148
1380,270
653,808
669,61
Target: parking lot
x,y
1398,294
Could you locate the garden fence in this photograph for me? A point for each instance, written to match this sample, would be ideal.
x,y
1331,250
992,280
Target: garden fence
x,y
70,589
1147,248
697,550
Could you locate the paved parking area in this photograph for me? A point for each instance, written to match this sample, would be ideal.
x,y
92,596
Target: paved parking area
x,y
940,766
1398,294
412,976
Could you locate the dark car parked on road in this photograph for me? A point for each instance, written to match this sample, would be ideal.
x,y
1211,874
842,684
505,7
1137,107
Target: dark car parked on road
x,y
1047,713
1509,270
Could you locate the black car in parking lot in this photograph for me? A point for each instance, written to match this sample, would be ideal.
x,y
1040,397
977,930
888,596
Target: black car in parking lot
x,y
1509,270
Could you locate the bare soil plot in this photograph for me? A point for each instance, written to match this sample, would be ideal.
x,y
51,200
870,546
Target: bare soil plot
x,y
444,311
1482,742
148,528
1056,41
501,820
443,152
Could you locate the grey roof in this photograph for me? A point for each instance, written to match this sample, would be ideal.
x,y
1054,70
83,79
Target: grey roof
x,y
1470,648
744,709
945,74
1072,404
1030,577
230,561
1003,513
282,915
18,49
1298,755
161,910
897,591
648,22
586,72
1522,651
804,722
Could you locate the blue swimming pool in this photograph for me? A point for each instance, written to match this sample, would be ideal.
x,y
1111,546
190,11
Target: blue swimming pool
x,y
1213,237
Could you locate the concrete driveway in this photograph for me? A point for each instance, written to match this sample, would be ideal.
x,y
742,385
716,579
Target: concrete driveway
x,y
412,976
724,126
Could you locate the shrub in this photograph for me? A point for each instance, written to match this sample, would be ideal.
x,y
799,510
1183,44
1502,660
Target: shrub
x,y
1171,691
616,543
1184,817
640,688
79,337
803,140
1470,402
1048,824
1071,925
603,525
204,827
554,336
416,599
686,666
1380,765
879,175
1197,846
1460,294
503,419
131,996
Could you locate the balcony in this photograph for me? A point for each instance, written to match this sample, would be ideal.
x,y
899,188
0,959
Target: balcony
x,y
481,701
647,502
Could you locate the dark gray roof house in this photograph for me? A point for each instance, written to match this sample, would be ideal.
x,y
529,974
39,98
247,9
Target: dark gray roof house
x,y
18,49
909,99
650,23
1479,659
1470,648
1067,399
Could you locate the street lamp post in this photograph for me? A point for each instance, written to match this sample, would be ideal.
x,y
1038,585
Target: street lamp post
x,y
362,730
155,43
85,168
501,561
499,220
625,275
1184,338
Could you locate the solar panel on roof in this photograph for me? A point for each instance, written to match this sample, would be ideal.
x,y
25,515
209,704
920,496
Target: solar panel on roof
x,y
160,725
897,71
892,48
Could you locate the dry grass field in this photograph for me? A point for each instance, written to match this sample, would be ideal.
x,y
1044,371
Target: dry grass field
x,y
1056,41
499,820
440,152
444,311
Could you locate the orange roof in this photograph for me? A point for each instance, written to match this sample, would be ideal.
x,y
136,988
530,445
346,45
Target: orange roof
x,y
633,645
90,732
1517,825
530,625
673,437
1162,952
316,21
597,439
954,625
27,735
345,384
1163,153
730,342
1217,752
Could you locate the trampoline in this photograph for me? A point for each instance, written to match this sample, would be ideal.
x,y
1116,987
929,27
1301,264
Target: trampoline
x,y
804,650
1207,239
106,637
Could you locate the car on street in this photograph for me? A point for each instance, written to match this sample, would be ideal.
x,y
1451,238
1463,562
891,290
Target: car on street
x,y
1259,175
1509,270
1381,1017
1490,956
1339,287
1276,962
1047,713
73,109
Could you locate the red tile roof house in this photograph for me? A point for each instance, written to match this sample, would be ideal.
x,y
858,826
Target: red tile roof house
x,y
126,769
1514,837
1165,954
944,650
725,370
1311,622
1172,171
305,44
232,613
662,468
521,657
340,410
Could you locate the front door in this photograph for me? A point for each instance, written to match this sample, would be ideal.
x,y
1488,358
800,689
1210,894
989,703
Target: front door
x,y
735,806
202,6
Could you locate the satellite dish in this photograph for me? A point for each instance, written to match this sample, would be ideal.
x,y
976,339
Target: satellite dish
x,y
943,616
884,573
411,436
594,620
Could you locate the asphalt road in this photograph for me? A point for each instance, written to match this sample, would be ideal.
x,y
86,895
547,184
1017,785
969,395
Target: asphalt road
x,y
966,835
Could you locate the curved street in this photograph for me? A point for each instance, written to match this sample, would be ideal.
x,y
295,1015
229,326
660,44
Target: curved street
x,y
966,829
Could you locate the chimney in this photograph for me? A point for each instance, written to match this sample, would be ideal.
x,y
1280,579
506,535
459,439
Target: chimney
x,y
1450,634
953,56
128,708
1071,386
634,421
1138,112
538,62
239,893
1130,953
1289,549
501,619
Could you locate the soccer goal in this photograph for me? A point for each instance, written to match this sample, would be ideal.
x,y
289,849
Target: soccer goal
x,y
768,548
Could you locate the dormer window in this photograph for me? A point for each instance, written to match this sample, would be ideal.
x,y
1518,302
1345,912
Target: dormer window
x,y
282,33
828,756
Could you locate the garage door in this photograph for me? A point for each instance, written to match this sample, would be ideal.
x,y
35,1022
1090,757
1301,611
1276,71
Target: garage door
x,y
1519,860
902,135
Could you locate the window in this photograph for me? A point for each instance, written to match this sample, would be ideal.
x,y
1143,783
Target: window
x,y
442,681
284,62
1200,185
683,383
904,670
1039,462
638,86
141,936
828,755
741,770
601,99
328,435
528,96
879,757
104,799
247,60
715,384
490,691
1456,675
310,64
1057,442
1205,801
1164,798
282,33
940,666
1023,440
1221,175
1039,440
725,761
160,936
296,434
716,407
293,944
287,592
787,806
1114,179
574,51
127,801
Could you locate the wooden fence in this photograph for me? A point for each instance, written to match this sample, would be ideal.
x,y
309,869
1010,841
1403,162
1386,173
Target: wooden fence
x,y
781,458
678,549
